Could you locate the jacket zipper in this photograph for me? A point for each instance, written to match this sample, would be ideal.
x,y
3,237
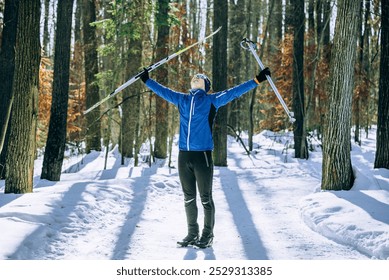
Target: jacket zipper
x,y
190,120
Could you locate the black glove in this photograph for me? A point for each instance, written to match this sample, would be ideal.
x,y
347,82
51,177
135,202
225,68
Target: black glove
x,y
145,75
262,75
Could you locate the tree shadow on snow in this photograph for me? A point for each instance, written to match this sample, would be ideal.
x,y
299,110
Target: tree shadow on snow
x,y
122,247
38,245
82,163
242,217
376,209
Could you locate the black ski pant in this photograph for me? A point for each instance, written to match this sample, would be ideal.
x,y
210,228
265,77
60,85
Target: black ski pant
x,y
197,167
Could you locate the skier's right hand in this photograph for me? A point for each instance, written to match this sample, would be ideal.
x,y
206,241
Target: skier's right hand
x,y
145,75
262,75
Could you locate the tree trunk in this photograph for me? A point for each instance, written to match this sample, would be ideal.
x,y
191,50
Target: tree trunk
x,y
326,56
134,63
300,141
337,171
219,77
312,59
56,138
236,116
365,99
359,83
7,69
275,33
162,108
253,8
327,10
93,135
382,153
46,34
21,150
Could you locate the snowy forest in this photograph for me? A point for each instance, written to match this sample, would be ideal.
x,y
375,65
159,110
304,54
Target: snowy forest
x,y
102,184
58,58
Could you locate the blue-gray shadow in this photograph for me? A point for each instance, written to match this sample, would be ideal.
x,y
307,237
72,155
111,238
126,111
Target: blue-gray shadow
x,y
242,217
375,208
122,246
191,253
39,240
112,172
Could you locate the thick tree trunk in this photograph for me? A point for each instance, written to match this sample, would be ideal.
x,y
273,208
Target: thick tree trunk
x,y
7,68
219,77
131,107
93,136
337,171
21,150
162,107
236,116
382,153
300,142
56,139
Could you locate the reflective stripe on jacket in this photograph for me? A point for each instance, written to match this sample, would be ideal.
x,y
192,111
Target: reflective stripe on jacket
x,y
195,108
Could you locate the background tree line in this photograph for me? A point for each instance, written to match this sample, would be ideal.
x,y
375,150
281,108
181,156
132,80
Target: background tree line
x,y
329,60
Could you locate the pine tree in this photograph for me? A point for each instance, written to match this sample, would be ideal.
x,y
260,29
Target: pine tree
x,y
93,135
131,95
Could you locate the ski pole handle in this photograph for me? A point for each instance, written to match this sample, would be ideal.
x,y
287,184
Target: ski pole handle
x,y
250,45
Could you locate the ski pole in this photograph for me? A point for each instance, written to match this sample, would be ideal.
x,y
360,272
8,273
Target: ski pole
x,y
249,45
149,68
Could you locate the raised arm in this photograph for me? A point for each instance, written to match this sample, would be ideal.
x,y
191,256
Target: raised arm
x,y
162,91
226,96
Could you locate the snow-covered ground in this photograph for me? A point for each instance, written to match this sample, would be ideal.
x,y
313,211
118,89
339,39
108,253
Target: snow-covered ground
x,y
268,206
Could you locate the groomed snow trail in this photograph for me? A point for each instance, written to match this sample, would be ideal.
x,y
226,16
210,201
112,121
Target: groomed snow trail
x,y
138,213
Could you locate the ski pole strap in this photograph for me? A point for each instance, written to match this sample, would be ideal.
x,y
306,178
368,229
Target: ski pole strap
x,y
246,42
250,45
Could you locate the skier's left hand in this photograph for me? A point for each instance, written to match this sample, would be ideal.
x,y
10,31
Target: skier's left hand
x,y
262,75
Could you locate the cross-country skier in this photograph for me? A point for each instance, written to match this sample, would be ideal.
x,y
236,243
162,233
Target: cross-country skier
x,y
197,111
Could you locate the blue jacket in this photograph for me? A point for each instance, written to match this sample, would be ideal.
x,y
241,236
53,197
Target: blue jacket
x,y
195,108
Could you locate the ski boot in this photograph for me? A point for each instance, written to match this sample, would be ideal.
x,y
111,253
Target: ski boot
x,y
205,241
189,240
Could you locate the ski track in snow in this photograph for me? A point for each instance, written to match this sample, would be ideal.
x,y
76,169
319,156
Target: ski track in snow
x,y
137,213
268,206
273,217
